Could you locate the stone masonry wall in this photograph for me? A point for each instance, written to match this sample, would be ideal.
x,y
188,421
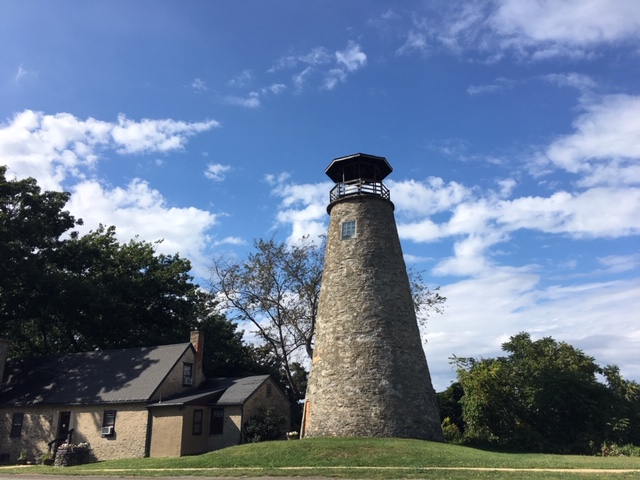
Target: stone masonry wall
x,y
40,426
269,396
173,383
369,375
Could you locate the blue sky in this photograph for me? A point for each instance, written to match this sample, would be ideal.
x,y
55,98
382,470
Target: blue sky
x,y
513,129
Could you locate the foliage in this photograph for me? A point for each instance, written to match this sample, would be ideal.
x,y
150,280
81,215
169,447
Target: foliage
x,y
425,300
615,450
545,396
452,433
276,289
225,352
267,425
449,404
61,292
44,458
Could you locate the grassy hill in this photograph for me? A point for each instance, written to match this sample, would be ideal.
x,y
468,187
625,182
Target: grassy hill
x,y
363,458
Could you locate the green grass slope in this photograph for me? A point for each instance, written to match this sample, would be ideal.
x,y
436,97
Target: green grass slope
x,y
363,458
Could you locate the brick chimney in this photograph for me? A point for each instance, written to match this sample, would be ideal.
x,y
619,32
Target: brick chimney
x,y
4,350
197,340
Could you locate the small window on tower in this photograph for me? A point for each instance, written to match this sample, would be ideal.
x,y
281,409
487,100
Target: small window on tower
x,y
348,230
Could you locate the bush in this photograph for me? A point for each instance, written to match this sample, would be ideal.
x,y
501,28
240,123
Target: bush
x,y
452,433
266,425
614,450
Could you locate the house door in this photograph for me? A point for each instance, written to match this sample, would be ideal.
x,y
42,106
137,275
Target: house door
x,y
63,427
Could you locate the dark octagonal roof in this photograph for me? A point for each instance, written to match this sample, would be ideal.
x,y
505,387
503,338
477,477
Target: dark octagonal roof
x,y
359,165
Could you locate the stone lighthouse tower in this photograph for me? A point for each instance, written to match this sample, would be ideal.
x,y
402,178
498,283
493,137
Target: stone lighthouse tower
x,y
369,376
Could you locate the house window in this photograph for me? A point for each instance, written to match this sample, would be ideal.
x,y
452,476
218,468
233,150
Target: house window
x,y
269,389
187,374
217,421
16,424
348,230
108,423
197,422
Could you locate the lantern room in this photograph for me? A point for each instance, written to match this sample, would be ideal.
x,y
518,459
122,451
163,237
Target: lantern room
x,y
358,174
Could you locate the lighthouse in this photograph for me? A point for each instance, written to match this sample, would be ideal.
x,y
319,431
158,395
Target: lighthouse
x,y
369,376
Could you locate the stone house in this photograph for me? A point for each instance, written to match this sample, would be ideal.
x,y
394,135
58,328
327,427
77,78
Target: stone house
x,y
127,403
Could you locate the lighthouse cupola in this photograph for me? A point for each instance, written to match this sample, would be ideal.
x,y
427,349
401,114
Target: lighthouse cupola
x,y
358,174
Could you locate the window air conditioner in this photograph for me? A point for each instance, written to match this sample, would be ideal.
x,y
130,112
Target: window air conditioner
x,y
188,380
106,431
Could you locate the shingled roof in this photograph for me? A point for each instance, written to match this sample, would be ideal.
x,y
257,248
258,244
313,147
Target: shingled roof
x,y
109,376
218,391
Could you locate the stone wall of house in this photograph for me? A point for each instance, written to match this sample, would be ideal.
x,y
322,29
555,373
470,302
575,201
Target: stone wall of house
x,y
167,427
37,430
173,383
268,395
130,431
369,374
231,429
193,444
40,426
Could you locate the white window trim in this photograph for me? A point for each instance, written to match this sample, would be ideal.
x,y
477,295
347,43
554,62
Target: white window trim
x,y
355,229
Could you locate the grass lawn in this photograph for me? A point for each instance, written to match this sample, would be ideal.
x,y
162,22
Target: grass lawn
x,y
361,458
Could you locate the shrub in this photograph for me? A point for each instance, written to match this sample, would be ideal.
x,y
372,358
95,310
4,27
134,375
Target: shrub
x,y
266,425
614,450
452,433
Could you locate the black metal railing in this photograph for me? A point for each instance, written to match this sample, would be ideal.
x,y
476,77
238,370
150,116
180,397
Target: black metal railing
x,y
358,187
56,441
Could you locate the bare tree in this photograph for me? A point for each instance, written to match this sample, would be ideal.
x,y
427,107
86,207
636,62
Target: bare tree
x,y
277,289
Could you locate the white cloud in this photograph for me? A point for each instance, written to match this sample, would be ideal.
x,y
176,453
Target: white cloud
x,y
21,73
415,40
216,171
333,77
155,135
349,60
317,56
231,241
412,197
605,147
481,314
334,68
499,85
250,101
352,58
567,22
51,147
582,82
274,89
137,210
199,85
538,30
56,149
242,79
299,79
619,263
303,208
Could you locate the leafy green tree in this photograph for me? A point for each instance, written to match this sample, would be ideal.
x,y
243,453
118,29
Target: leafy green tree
x,y
449,404
31,225
61,292
544,395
